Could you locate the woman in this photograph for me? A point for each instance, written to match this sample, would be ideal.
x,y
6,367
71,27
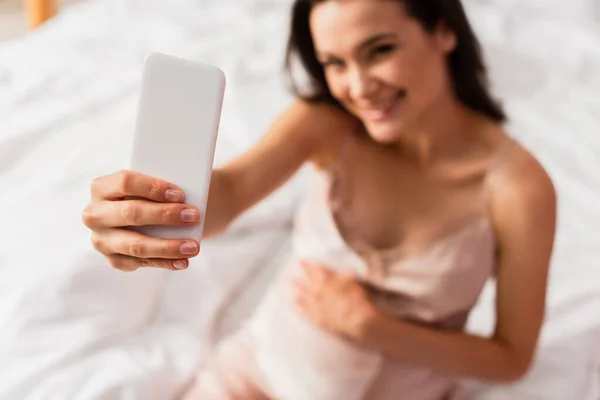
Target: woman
x,y
420,197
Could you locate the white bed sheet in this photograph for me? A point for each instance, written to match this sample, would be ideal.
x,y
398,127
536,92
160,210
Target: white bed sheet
x,y
70,328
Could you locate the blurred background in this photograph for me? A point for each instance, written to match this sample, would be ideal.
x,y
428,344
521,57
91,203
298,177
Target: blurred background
x,y
17,16
73,328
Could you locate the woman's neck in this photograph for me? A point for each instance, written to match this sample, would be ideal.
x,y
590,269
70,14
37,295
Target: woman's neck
x,y
442,131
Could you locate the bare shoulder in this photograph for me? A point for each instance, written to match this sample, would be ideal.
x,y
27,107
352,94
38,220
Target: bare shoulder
x,y
523,204
521,177
523,194
320,114
325,125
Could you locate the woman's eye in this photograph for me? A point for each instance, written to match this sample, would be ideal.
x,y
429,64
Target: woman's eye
x,y
332,63
384,49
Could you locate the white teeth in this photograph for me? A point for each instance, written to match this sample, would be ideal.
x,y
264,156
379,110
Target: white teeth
x,y
381,112
385,107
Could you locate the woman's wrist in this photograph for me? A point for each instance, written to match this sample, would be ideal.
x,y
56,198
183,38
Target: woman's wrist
x,y
364,322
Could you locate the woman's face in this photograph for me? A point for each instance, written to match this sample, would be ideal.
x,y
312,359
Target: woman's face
x,y
380,63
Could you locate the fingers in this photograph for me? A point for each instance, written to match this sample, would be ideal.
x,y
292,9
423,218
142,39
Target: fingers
x,y
108,214
301,286
128,264
314,274
141,200
133,244
134,184
303,291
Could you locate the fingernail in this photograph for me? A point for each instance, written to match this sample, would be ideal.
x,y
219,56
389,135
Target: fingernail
x,y
173,195
190,215
189,248
179,264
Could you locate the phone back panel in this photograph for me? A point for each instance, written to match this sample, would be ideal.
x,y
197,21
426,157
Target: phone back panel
x,y
179,111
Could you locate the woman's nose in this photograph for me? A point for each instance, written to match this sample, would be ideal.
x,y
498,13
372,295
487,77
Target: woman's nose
x,y
361,84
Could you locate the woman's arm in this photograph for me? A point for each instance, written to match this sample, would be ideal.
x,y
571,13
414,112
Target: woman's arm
x,y
304,132
524,210
127,198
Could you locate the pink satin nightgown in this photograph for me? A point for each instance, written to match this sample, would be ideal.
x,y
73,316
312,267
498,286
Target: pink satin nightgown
x,y
279,355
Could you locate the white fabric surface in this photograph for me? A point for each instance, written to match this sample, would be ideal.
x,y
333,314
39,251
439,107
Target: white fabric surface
x,y
72,328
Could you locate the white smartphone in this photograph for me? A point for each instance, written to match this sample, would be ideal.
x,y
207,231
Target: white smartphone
x,y
179,110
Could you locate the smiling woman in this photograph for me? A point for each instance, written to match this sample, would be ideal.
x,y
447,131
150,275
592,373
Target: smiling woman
x,y
378,54
420,197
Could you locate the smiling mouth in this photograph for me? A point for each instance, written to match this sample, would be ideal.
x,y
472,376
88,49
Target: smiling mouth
x,y
384,111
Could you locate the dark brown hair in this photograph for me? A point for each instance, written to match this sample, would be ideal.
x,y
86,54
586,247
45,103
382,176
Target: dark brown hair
x,y
467,69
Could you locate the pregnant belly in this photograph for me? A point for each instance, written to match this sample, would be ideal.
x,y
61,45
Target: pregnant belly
x,y
301,361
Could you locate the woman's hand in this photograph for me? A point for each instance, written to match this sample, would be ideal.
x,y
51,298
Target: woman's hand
x,y
125,199
335,302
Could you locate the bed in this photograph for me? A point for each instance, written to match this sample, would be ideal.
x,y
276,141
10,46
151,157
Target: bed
x,y
73,328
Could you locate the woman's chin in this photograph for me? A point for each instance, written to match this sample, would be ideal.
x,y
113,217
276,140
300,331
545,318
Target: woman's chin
x,y
384,133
